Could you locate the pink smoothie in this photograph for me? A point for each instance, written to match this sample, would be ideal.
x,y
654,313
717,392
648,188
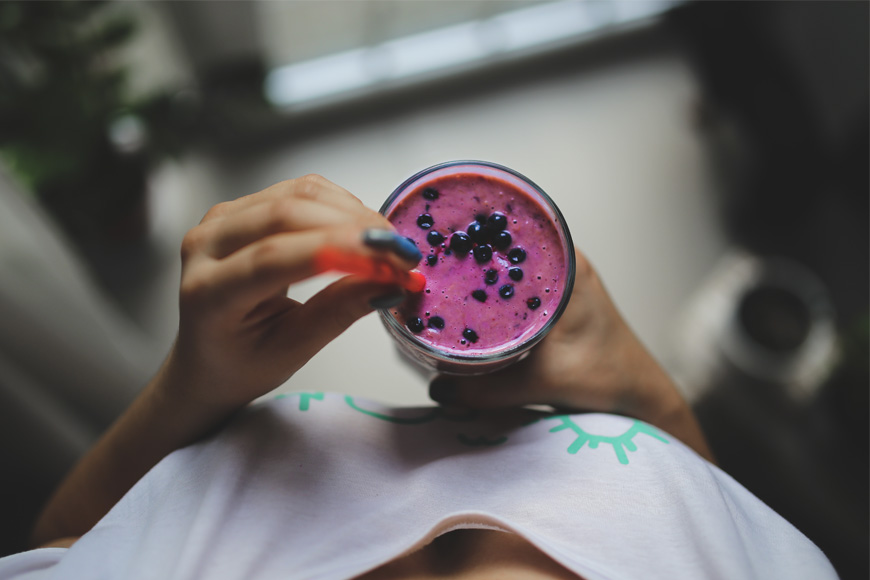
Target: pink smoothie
x,y
495,264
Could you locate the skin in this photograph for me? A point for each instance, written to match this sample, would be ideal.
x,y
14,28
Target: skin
x,y
238,334
239,338
473,555
590,361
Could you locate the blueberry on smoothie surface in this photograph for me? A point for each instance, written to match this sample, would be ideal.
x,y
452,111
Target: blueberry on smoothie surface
x,y
502,240
474,244
470,335
477,233
460,243
434,238
425,221
496,222
482,254
517,255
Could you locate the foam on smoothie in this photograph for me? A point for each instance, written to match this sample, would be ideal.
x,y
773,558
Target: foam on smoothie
x,y
475,303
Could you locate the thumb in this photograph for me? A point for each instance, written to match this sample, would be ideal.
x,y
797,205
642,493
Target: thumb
x,y
332,310
510,387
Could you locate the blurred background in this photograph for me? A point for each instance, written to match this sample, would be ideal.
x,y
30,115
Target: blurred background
x,y
711,158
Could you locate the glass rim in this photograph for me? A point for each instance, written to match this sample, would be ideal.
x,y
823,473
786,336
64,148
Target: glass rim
x,y
438,354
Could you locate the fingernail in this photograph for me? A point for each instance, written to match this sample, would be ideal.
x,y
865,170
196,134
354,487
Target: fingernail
x,y
406,248
387,240
443,390
387,301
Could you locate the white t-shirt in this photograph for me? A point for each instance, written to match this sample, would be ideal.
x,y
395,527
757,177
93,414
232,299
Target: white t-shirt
x,y
316,486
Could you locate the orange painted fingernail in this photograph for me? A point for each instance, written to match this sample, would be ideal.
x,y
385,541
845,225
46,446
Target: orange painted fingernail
x,y
328,258
416,282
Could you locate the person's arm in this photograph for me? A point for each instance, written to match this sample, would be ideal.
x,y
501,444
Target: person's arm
x,y
156,423
239,336
590,361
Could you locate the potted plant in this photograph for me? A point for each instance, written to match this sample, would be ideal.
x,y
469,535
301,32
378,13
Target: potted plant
x,y
69,131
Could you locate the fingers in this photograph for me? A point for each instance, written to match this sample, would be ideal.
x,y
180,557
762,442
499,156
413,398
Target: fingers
x,y
237,230
311,187
259,270
250,249
330,312
318,188
268,266
509,387
548,375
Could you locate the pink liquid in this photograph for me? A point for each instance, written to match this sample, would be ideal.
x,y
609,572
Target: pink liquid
x,y
513,310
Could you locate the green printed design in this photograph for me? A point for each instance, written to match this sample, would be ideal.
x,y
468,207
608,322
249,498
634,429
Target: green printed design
x,y
430,416
304,399
620,443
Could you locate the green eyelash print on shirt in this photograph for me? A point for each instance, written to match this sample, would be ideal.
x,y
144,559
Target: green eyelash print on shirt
x,y
620,443
304,399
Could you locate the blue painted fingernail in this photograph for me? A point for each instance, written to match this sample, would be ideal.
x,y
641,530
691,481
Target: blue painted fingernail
x,y
387,301
387,240
407,249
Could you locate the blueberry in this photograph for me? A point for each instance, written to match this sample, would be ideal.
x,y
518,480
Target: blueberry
x,y
516,274
517,255
480,218
431,259
460,243
490,277
415,325
478,233
470,335
431,193
425,221
502,239
479,295
506,291
533,303
483,254
436,322
496,222
434,238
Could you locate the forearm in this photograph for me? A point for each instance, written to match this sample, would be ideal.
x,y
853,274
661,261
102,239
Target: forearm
x,y
157,423
657,401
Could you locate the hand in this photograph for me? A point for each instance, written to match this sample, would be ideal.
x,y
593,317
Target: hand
x,y
240,336
590,361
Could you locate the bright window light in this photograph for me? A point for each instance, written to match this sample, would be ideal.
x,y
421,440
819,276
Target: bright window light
x,y
435,50
475,43
541,25
316,78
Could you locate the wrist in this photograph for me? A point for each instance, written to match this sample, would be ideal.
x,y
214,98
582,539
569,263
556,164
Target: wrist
x,y
176,398
656,400
182,383
647,392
